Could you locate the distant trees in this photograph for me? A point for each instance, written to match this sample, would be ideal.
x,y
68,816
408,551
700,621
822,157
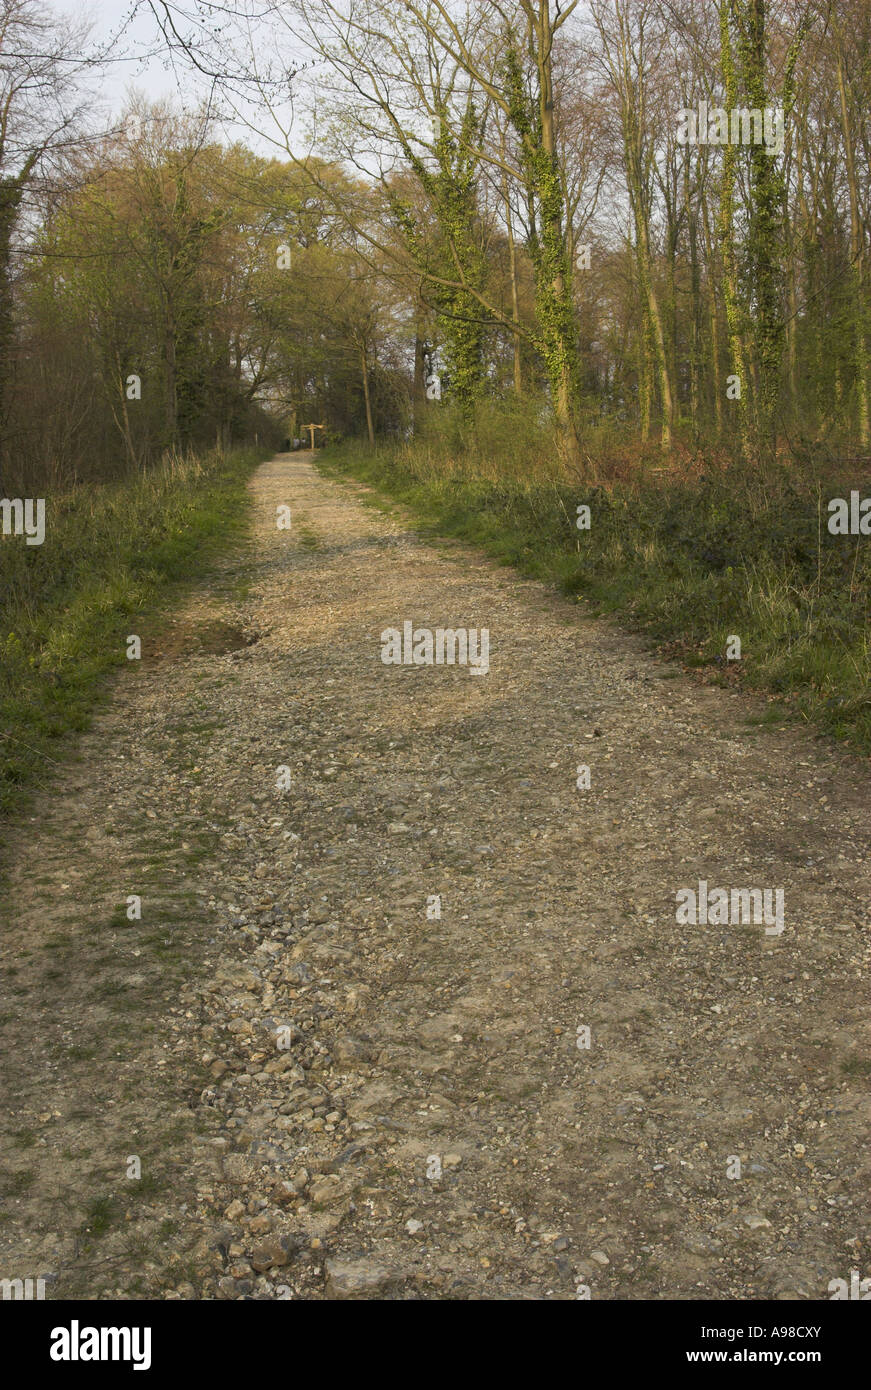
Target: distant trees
x,y
126,280
700,237
42,63
181,294
651,214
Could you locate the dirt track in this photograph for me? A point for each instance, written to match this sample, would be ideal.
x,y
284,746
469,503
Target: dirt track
x,y
288,1042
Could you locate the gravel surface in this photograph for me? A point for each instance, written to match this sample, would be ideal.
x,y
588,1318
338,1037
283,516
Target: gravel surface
x,y
331,1090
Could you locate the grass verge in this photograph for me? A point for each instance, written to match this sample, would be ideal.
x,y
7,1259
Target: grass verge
x,y
693,559
110,553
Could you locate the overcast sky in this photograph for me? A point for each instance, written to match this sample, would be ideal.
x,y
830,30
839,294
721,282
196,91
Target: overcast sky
x,y
152,76
142,63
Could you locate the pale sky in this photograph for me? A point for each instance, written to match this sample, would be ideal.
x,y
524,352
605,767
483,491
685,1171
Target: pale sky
x,y
142,62
152,76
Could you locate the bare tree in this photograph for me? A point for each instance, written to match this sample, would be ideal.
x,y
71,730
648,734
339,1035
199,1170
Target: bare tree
x,y
43,59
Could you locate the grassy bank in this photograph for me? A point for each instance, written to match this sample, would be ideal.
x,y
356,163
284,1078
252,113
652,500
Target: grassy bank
x,y
690,558
109,552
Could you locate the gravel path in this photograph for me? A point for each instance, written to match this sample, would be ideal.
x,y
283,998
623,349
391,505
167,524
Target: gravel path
x,y
333,1091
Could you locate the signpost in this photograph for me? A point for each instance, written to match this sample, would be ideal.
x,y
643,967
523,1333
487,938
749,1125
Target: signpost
x,y
311,429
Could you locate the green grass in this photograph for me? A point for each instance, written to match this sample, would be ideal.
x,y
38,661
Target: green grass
x,y
111,555
856,1066
307,538
24,1138
19,1184
102,1212
689,559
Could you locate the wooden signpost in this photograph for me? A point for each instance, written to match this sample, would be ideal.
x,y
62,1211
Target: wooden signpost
x,y
311,429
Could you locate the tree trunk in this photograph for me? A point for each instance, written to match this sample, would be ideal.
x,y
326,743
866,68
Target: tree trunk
x,y
364,367
560,325
695,303
652,312
171,380
515,301
765,236
726,237
418,390
557,338
11,192
714,318
857,270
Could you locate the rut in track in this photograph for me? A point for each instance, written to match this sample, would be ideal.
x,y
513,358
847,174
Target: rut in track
x,y
333,1092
